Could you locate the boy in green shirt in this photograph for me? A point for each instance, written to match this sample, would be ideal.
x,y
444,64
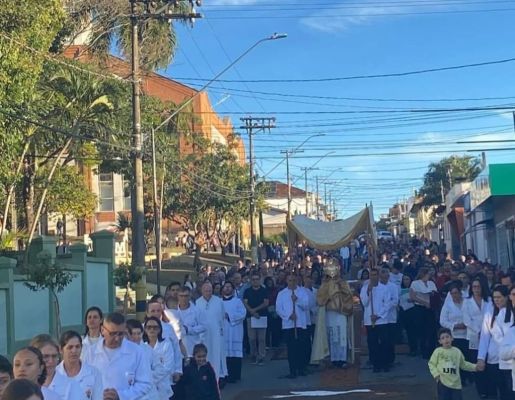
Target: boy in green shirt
x,y
445,364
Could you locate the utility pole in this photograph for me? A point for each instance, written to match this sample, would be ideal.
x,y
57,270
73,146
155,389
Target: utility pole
x,y
138,210
317,200
138,240
287,153
334,210
330,203
251,125
306,169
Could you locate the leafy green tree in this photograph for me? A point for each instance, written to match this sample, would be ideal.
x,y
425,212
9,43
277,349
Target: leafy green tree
x,y
26,32
48,274
211,196
443,174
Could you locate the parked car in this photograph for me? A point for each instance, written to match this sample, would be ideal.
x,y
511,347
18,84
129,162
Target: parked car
x,y
385,235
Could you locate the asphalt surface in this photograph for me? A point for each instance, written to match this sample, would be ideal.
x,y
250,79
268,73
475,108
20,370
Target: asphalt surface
x,y
409,379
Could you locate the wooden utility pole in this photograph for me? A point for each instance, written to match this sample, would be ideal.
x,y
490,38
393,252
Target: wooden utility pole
x,y
252,126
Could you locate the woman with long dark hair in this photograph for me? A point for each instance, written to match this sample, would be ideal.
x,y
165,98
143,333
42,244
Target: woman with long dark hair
x,y
92,321
501,325
163,358
505,320
489,345
474,310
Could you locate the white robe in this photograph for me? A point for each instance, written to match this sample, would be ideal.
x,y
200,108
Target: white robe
x,y
473,318
212,315
191,327
233,326
163,366
65,387
88,378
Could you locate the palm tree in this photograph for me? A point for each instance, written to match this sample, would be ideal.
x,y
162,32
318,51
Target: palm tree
x,y
79,106
107,23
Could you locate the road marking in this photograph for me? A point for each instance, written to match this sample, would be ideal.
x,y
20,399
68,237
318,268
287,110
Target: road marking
x,y
317,393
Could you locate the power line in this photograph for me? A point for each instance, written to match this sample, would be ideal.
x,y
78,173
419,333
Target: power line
x,y
354,77
319,16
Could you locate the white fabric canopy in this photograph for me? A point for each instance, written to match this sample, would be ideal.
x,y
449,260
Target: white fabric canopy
x,y
333,235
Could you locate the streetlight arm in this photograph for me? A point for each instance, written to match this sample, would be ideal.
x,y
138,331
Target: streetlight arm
x,y
275,36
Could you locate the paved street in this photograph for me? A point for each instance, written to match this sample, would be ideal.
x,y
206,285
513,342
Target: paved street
x,y
409,379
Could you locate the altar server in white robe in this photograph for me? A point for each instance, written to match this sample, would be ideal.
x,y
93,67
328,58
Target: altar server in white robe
x,y
190,322
212,315
235,313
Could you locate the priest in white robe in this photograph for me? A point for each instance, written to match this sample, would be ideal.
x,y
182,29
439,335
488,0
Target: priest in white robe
x,y
212,315
235,313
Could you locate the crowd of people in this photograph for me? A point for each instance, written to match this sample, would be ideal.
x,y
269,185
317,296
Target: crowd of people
x,y
194,337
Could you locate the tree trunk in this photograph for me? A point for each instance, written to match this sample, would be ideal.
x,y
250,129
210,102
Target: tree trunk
x,y
45,191
10,192
28,191
57,313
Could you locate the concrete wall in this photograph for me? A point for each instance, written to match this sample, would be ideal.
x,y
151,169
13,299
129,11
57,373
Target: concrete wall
x,y
24,313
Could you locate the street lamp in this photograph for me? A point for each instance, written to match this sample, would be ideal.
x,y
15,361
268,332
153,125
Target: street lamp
x,y
275,36
157,207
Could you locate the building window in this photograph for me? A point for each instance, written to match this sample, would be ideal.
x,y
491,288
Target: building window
x,y
106,197
126,195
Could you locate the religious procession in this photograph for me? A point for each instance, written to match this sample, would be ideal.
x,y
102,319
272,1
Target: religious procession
x,y
192,344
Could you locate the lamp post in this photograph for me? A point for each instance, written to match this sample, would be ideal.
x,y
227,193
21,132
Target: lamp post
x,y
157,226
275,36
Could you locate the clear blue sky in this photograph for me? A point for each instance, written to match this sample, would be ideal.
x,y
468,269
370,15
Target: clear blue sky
x,y
329,39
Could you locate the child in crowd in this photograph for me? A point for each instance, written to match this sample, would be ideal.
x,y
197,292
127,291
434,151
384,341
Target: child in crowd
x,y
199,377
445,364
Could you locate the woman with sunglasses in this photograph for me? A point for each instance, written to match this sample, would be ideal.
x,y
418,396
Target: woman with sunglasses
x,y
66,388
163,357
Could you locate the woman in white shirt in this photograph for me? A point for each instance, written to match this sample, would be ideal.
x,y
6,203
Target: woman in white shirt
x,y
490,342
93,321
451,317
474,310
66,388
420,293
163,357
85,375
505,321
